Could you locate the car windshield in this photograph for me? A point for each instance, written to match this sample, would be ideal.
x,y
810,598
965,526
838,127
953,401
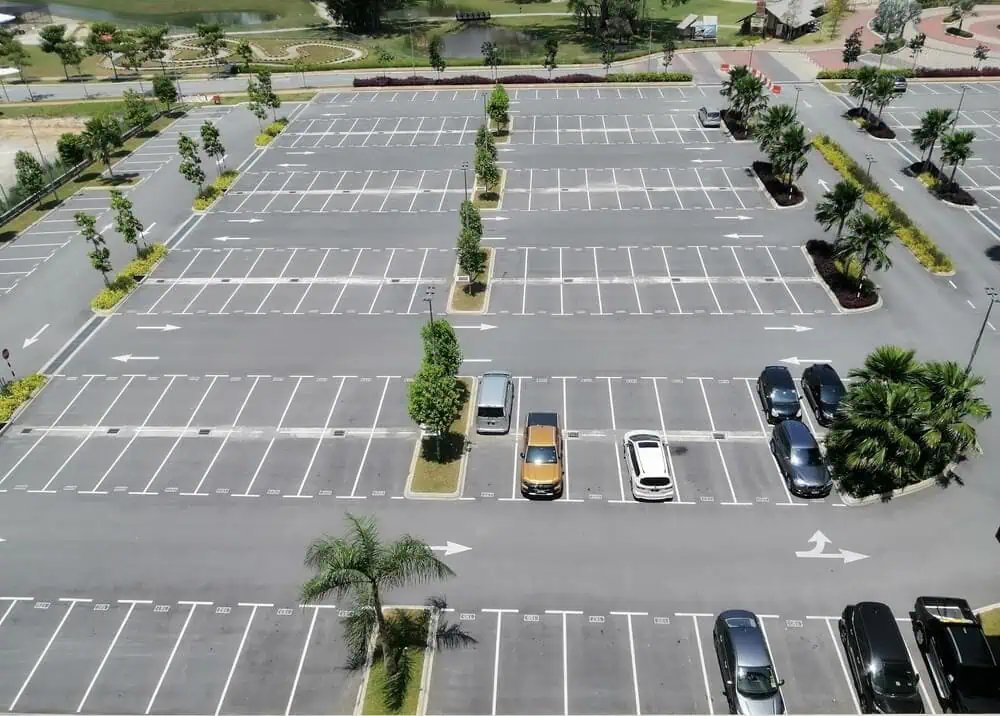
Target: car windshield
x,y
714,115
537,455
807,456
831,394
784,395
485,412
756,681
894,680
979,681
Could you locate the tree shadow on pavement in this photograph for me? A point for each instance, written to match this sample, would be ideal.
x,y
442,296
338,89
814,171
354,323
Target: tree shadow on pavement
x,y
993,252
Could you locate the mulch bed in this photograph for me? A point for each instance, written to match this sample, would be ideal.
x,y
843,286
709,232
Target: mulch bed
x,y
778,190
958,33
874,126
737,130
947,190
844,287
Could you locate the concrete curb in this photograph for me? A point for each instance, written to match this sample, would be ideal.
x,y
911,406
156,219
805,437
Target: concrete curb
x,y
449,306
774,202
833,296
4,427
425,675
886,497
411,494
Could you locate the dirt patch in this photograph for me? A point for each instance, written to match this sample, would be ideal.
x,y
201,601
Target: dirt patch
x,y
15,136
941,186
784,194
736,129
843,286
871,123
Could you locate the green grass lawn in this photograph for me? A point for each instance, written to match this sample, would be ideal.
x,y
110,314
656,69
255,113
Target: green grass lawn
x,y
43,64
50,110
286,13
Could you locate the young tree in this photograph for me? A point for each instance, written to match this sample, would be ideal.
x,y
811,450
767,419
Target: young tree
x,y
491,56
852,47
299,65
103,134
891,16
266,95
933,126
864,82
153,44
772,123
165,90
471,256
212,143
980,54
361,567
498,107
434,54
435,400
956,149
211,39
131,55
72,148
103,40
835,10
484,138
837,206
916,46
137,113
470,218
668,49
71,55
245,53
190,166
551,50
30,176
126,222
441,346
257,104
961,9
608,54
486,170
13,52
50,39
100,257
866,244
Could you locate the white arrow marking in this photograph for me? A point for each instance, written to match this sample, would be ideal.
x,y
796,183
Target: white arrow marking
x,y
232,238
450,548
293,165
480,327
806,104
163,329
335,114
105,228
2,539
699,149
822,183
303,153
896,184
128,356
705,161
494,218
478,360
739,217
796,328
494,238
799,361
244,221
819,541
34,338
744,236
505,149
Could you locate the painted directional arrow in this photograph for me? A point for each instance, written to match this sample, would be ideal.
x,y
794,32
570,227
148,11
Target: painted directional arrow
x,y
293,165
738,217
244,221
699,149
477,360
479,327
306,153
34,338
450,548
705,161
896,184
822,183
799,361
129,357
819,541
504,218
744,236
796,328
232,238
163,329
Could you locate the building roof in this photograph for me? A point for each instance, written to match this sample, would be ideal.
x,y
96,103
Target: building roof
x,y
803,11
687,22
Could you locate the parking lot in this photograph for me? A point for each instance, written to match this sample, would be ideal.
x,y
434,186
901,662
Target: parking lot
x,y
162,149
140,655
350,437
748,279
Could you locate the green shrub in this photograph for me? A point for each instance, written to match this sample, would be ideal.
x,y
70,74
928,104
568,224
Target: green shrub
x,y
912,236
18,392
850,73
217,188
649,77
125,281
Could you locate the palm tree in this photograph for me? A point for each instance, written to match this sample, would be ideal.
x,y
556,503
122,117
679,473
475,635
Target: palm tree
x,y
883,92
862,85
728,84
888,364
874,445
950,393
788,154
748,99
933,125
962,9
362,566
866,244
956,149
772,123
837,206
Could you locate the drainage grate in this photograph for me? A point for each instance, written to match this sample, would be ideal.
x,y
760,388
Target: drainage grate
x,y
393,280
748,171
294,280
226,280
769,279
567,280
339,433
573,434
719,436
114,431
205,431
25,431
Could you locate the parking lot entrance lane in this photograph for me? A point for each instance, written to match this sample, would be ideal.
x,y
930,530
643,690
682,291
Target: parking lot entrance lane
x,y
532,665
668,665
27,628
600,658
463,680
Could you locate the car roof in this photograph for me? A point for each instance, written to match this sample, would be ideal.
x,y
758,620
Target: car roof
x,y
542,435
799,435
749,647
882,632
825,373
778,376
493,389
651,459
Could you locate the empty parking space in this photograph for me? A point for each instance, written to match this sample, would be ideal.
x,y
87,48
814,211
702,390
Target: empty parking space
x,y
675,126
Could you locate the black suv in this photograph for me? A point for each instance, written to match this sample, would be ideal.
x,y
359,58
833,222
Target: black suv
x,y
962,666
824,390
800,460
880,663
778,397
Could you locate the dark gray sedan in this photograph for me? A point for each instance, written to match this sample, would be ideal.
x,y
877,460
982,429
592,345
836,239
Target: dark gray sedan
x,y
751,683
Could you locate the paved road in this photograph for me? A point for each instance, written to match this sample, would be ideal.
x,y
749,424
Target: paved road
x,y
194,464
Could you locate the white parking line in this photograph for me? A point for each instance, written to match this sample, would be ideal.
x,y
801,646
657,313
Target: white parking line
x,y
524,291
784,283
187,308
597,280
131,608
270,444
843,664
371,436
239,651
274,285
416,284
319,443
635,286
614,443
385,277
305,651
760,311
347,283
517,446
156,303
708,280
701,657
72,603
236,420
173,652
315,276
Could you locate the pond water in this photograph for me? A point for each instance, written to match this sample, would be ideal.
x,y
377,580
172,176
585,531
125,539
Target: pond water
x,y
181,20
468,42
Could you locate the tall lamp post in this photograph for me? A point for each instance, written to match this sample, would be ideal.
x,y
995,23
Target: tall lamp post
x,y
798,91
429,300
465,178
871,160
965,88
991,294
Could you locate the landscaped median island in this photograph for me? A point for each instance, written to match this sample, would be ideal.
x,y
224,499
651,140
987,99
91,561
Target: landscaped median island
x,y
468,294
128,278
920,244
489,180
15,393
271,131
211,192
382,694
577,78
437,465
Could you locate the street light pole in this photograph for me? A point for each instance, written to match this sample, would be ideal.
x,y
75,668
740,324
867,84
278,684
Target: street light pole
x,y
465,178
991,293
871,160
798,91
959,110
41,156
429,300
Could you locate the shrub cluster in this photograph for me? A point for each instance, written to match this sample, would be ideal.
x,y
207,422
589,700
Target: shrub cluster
x,y
577,78
918,242
843,286
216,189
18,392
270,132
919,73
126,280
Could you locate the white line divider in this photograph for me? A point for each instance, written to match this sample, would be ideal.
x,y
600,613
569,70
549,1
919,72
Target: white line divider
x,y
215,457
496,654
267,451
631,646
97,674
565,655
319,443
368,445
239,651
173,652
305,651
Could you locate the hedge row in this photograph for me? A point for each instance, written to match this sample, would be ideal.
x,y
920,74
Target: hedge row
x,y
216,189
125,281
912,236
18,392
919,73
577,78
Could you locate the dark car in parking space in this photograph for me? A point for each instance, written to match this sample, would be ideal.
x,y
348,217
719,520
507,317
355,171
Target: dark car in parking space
x,y
899,84
751,683
824,390
879,661
800,460
963,668
779,398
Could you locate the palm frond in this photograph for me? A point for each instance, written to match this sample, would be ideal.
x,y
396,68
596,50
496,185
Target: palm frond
x,y
410,561
397,677
452,636
359,625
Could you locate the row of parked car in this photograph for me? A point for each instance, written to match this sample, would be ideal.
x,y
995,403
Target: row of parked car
x,y
964,672
644,452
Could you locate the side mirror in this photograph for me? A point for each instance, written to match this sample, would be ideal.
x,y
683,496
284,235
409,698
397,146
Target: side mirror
x,y
781,682
522,455
916,678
